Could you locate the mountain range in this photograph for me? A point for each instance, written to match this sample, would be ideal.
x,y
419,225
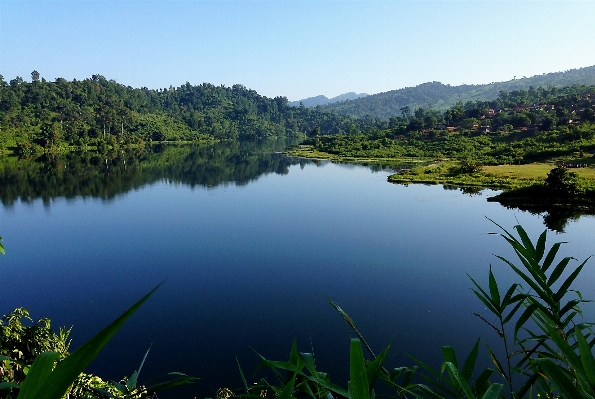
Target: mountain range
x,y
442,96
312,102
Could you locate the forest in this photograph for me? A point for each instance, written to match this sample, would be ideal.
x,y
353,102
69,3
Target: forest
x,y
41,115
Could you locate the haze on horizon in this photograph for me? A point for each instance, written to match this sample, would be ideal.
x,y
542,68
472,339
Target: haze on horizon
x,y
295,48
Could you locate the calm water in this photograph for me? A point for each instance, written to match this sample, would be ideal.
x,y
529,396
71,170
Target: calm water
x,y
251,244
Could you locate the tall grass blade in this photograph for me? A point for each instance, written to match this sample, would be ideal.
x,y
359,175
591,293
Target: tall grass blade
x,y
287,392
242,376
39,374
182,380
66,371
375,368
358,384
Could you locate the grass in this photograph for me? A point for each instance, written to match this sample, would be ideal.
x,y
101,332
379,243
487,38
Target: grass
x,y
307,151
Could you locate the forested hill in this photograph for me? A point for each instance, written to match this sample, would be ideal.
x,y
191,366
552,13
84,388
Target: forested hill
x,y
62,112
323,100
440,96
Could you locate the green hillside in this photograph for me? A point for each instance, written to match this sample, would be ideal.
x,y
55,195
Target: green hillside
x,y
440,96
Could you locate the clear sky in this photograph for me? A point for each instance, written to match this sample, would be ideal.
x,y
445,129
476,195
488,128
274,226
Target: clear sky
x,y
295,48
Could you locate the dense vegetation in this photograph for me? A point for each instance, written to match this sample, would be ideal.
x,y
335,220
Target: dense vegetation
x,y
440,96
40,114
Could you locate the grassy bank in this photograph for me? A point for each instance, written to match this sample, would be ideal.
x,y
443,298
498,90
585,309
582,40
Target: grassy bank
x,y
308,151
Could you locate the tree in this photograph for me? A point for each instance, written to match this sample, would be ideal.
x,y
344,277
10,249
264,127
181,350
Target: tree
x,y
35,76
562,181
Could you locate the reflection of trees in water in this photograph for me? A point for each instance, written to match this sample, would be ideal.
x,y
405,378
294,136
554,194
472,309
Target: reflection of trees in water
x,y
469,190
554,218
119,171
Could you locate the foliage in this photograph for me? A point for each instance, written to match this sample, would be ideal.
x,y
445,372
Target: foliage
x,y
35,362
548,350
20,344
97,111
562,181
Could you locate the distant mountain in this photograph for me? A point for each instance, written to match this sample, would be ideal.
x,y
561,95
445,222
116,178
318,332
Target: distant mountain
x,y
311,102
441,96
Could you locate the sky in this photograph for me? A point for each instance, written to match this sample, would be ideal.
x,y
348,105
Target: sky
x,y
295,48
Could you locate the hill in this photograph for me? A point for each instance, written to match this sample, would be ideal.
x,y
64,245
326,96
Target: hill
x,y
44,114
311,102
442,96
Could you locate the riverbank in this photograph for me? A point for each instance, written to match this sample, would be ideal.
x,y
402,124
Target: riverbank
x,y
522,186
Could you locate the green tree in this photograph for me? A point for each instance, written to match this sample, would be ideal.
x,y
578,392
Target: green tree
x,y
562,181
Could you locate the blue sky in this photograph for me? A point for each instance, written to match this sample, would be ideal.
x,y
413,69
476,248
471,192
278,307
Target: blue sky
x,y
295,48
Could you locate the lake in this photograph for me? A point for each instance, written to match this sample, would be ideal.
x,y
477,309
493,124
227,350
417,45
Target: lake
x,y
250,243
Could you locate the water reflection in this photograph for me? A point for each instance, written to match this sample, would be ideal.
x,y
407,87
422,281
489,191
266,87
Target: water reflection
x,y
106,175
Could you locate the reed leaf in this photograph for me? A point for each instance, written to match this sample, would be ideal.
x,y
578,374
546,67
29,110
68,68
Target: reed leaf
x,y
469,365
456,377
540,247
42,384
494,292
559,378
587,360
566,285
551,255
358,384
558,270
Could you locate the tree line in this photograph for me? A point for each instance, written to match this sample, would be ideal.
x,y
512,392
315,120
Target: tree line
x,y
85,112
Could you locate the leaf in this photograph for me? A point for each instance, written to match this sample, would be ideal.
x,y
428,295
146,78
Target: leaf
x,y
8,385
494,292
558,270
242,375
178,382
55,384
540,247
524,317
463,386
287,391
358,384
551,255
493,391
557,376
498,365
481,381
564,287
375,368
525,238
528,280
39,374
469,365
587,359
448,353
